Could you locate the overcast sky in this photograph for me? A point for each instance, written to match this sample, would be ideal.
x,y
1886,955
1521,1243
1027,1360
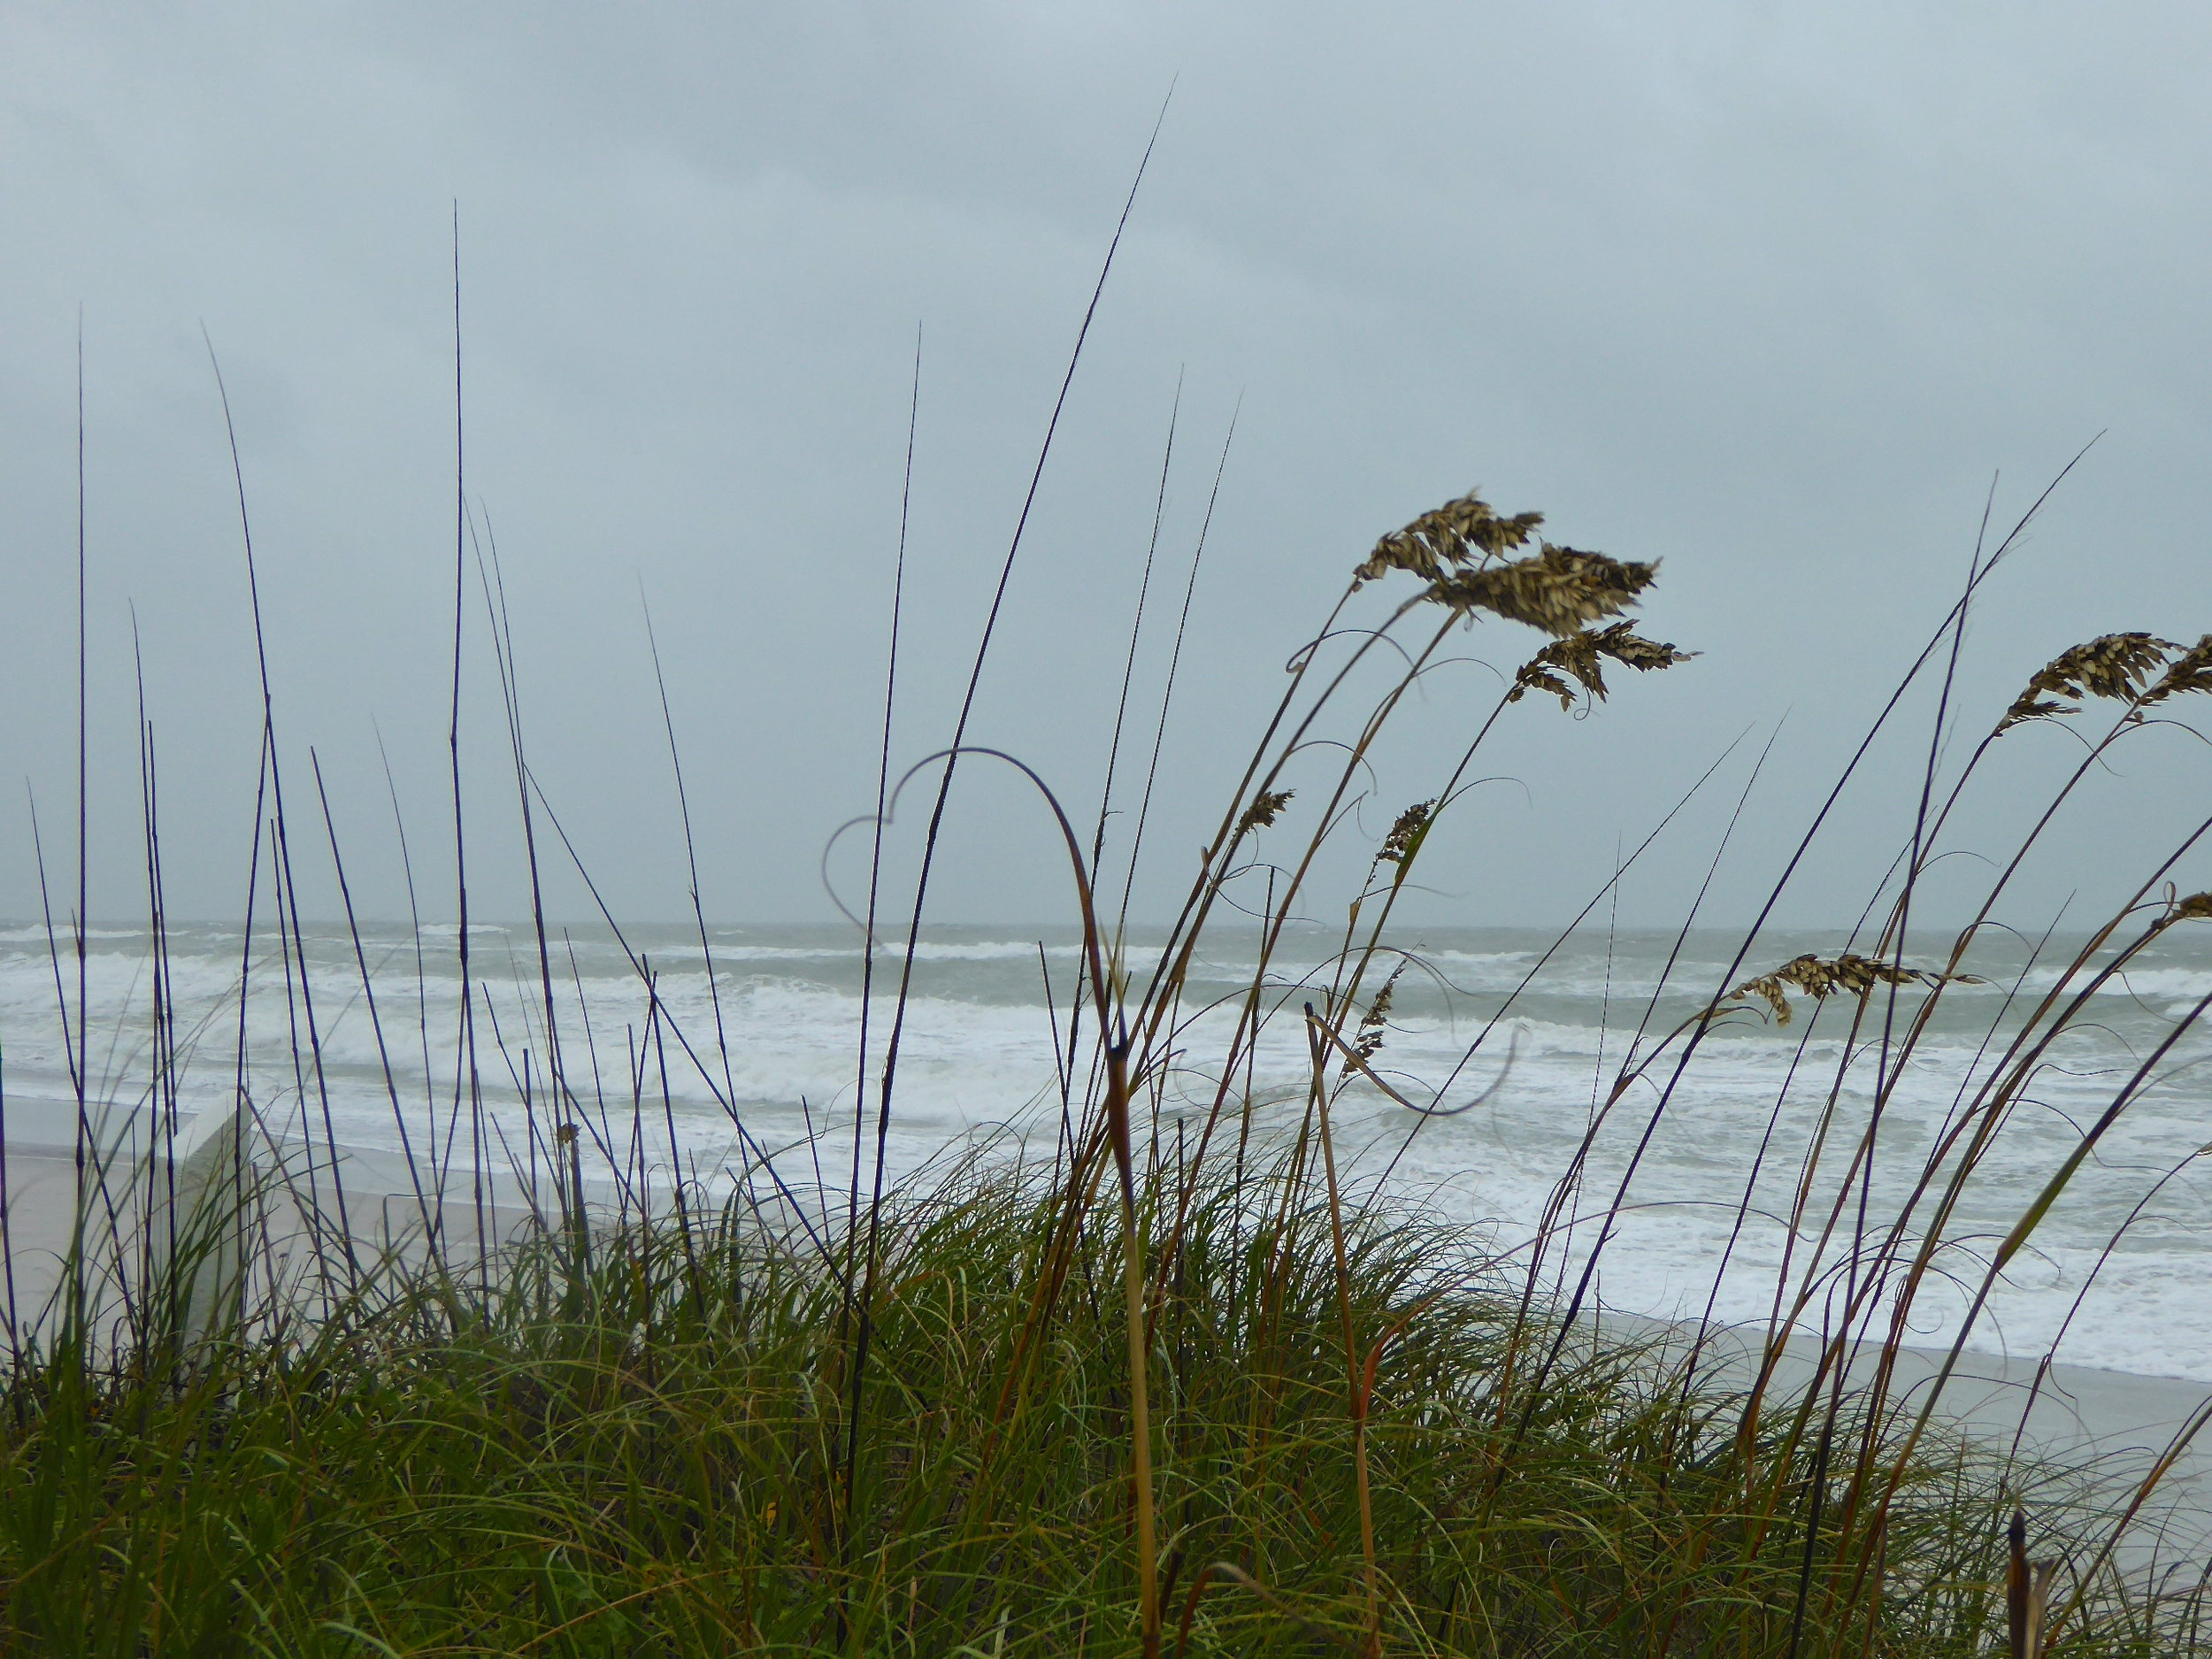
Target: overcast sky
x,y
1770,293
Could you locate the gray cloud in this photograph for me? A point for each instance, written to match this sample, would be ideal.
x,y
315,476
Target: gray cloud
x,y
1768,293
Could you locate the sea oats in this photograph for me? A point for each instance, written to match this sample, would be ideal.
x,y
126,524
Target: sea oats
x,y
1560,590
1820,978
2191,671
1537,676
1577,654
1265,805
1371,1025
1403,835
1626,646
1460,532
2112,665
1455,547
2196,908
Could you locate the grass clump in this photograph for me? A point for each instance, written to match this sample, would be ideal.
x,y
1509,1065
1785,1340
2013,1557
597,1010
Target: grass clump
x,y
641,1457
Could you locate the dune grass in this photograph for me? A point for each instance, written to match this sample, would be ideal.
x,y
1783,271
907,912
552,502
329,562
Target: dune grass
x,y
643,1456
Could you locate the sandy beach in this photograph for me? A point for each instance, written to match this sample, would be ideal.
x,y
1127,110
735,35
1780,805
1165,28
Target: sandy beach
x,y
382,1204
2112,1425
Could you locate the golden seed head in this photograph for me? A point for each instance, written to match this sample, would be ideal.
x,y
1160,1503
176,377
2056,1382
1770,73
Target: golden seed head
x,y
1265,805
2114,665
2191,671
1578,654
2196,908
1372,1023
1400,842
1820,978
1460,532
1560,590
1459,549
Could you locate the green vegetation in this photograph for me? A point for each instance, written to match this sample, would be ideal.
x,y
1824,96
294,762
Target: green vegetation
x,y
643,1456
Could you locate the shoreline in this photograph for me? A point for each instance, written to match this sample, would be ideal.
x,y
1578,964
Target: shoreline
x,y
2112,1426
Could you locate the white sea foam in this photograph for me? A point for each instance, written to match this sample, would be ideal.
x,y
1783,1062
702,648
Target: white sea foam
x,y
980,1050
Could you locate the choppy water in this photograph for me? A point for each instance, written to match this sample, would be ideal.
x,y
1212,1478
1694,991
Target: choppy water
x,y
981,1050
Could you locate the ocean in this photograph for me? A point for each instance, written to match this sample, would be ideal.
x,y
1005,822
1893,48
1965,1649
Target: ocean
x,y
1516,1036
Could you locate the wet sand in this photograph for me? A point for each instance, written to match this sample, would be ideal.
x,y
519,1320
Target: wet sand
x,y
2114,1425
381,1205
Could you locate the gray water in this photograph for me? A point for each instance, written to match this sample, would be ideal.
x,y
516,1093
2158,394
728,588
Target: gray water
x,y
776,1089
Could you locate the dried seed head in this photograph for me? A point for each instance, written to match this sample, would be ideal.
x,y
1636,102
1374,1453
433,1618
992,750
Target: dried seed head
x,y
2112,665
1400,842
1457,547
2191,671
1460,532
1560,590
1577,654
2196,908
1371,1024
1626,646
1263,809
1820,979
